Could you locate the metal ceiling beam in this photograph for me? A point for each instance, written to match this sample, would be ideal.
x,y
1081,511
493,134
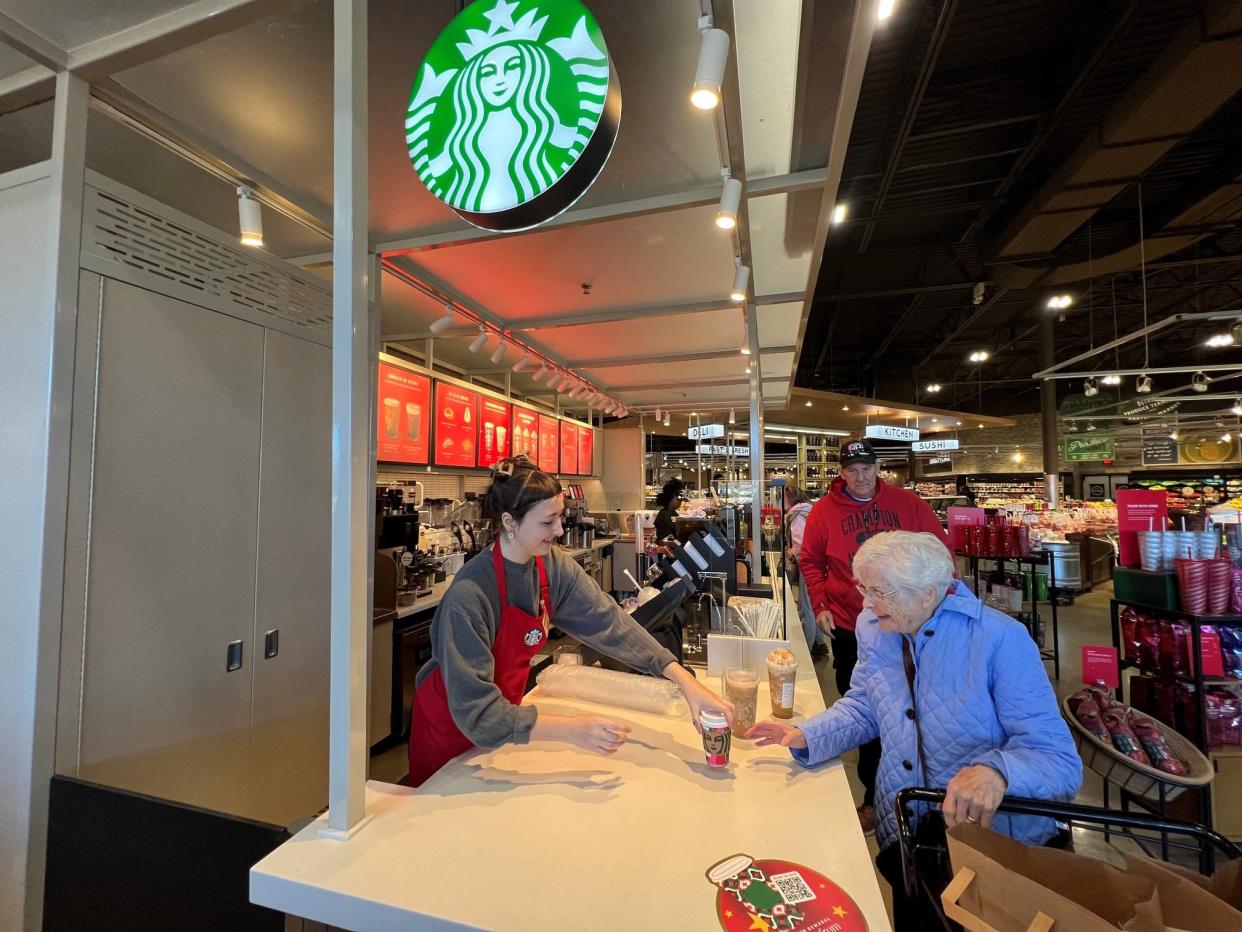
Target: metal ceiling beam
x,y
619,361
894,292
32,86
940,32
895,329
703,383
34,46
963,325
976,127
610,315
1159,370
582,216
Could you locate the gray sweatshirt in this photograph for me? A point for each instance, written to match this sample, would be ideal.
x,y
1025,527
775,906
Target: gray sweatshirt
x,y
466,622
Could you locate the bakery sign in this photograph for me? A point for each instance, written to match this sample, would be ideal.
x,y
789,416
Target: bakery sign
x,y
884,432
514,111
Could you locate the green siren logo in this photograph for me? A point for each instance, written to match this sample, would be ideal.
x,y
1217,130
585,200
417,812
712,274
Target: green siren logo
x,y
514,111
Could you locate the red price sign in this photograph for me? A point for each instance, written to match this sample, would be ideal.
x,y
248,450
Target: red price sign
x,y
404,422
1099,666
494,430
525,437
549,438
586,440
456,425
569,448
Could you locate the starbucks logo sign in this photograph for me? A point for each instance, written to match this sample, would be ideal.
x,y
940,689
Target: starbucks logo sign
x,y
514,112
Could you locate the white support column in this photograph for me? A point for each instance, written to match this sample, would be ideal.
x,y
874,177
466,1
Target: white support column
x,y
351,423
756,442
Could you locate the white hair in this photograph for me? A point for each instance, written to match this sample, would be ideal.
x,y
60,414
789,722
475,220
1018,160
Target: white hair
x,y
904,558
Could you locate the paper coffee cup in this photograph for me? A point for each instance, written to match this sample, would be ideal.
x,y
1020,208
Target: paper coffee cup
x,y
716,737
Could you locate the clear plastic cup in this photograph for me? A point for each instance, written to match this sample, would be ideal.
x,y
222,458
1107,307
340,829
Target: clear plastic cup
x,y
741,688
782,672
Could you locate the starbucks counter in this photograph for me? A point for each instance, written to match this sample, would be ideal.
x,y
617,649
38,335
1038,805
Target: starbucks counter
x,y
595,842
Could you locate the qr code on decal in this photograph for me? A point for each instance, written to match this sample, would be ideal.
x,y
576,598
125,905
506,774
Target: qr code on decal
x,y
792,887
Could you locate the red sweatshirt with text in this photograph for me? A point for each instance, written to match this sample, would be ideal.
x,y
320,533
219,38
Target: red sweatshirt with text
x,y
837,527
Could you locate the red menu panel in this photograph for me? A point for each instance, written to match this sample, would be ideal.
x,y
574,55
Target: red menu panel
x,y
493,431
456,425
525,436
586,440
569,448
549,460
404,422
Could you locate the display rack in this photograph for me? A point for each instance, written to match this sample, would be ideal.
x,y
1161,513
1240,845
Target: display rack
x,y
818,462
1227,762
1188,491
1031,619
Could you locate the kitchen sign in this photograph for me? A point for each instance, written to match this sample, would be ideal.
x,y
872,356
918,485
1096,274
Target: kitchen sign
x,y
884,432
1086,449
934,446
514,111
706,432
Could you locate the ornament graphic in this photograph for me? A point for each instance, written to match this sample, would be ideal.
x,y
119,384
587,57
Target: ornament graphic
x,y
514,111
780,895
533,637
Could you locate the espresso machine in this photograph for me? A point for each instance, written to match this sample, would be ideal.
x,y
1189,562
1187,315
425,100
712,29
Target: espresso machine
x,y
704,560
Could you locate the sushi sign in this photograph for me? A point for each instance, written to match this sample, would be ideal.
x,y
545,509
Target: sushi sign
x,y
934,446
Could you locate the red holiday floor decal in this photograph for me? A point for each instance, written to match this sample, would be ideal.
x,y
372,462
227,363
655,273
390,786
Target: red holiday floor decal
x,y
772,894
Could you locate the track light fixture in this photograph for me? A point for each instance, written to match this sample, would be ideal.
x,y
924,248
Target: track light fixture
x,y
499,353
1058,302
1199,382
440,324
741,281
657,413
732,416
979,356
744,349
1111,380
1221,340
730,201
523,364
1237,406
540,372
713,55
934,388
667,419
480,341
1142,385
1089,387
249,217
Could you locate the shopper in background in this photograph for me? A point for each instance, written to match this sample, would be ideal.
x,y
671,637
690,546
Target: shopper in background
x,y
668,500
858,505
957,694
797,508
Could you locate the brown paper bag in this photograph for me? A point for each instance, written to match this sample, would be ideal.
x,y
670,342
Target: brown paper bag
x,y
1014,881
1188,902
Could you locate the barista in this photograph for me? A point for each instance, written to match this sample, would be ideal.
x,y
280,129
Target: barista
x,y
494,619
668,500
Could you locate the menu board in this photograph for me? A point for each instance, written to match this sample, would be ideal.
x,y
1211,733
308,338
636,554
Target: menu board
x,y
569,448
404,422
525,436
586,440
549,459
456,425
494,430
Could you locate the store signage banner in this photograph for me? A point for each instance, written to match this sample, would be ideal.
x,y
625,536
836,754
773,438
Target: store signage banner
x,y
1159,450
456,425
934,446
404,422
514,111
706,432
938,464
884,432
494,431
1099,666
721,449
1138,510
549,445
586,446
525,437
569,448
1087,449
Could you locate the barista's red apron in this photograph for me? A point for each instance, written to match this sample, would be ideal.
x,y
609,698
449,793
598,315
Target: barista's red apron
x,y
435,738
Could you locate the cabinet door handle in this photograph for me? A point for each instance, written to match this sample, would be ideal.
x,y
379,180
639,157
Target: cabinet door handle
x,y
271,643
233,656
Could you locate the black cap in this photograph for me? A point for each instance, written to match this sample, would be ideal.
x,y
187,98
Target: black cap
x,y
857,451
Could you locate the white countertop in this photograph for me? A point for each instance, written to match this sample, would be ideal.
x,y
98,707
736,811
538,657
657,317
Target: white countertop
x,y
545,836
426,602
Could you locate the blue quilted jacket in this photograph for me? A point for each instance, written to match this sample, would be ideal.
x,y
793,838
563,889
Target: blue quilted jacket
x,y
983,698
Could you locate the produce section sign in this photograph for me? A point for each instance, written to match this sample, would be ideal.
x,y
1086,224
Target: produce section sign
x,y
569,448
494,437
525,436
549,445
514,111
586,445
456,425
404,421
1087,449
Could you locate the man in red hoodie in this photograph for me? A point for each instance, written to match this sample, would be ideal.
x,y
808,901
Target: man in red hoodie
x,y
858,505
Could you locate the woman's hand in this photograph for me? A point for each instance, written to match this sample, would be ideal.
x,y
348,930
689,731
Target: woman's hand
x,y
595,733
824,621
973,796
787,736
698,696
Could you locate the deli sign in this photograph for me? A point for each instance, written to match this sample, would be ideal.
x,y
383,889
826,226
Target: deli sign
x,y
706,432
934,446
884,432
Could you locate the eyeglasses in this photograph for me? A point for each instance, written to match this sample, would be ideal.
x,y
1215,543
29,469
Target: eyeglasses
x,y
875,595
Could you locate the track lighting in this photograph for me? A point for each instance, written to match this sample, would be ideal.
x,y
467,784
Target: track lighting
x,y
540,372
1089,387
1221,339
249,217
480,341
838,213
1111,380
667,419
885,9
744,349
1225,438
934,388
808,402
499,353
741,280
522,364
440,324
1142,385
1237,406
713,55
563,387
657,413
730,201
979,356
732,416
1199,382
1058,302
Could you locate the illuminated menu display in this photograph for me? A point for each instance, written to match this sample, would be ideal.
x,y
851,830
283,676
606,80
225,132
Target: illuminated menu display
x,y
549,460
456,425
569,448
586,440
494,430
525,436
404,422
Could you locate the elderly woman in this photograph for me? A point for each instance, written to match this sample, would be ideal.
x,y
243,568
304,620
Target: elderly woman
x,y
955,691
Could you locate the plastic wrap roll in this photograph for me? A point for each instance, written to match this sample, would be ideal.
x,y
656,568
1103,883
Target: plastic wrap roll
x,y
609,687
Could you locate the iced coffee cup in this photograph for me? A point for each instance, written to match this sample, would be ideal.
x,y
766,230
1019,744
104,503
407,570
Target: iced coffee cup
x,y
500,439
392,417
782,671
741,687
413,419
715,728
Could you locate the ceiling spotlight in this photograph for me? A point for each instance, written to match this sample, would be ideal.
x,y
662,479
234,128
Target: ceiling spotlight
x,y
732,416
1173,435
499,353
540,372
1142,385
1237,406
440,324
838,213
979,356
1017,457
713,54
1058,302
730,201
1225,438
249,217
1220,339
845,407
745,349
1090,427
934,388
657,414
885,9
1111,380
522,364
808,402
479,342
741,279
667,419
1199,382
1089,387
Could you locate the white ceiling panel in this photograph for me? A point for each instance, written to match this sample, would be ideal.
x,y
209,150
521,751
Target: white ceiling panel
x,y
12,61
669,258
782,261
768,75
702,332
624,377
71,23
736,395
776,364
778,324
